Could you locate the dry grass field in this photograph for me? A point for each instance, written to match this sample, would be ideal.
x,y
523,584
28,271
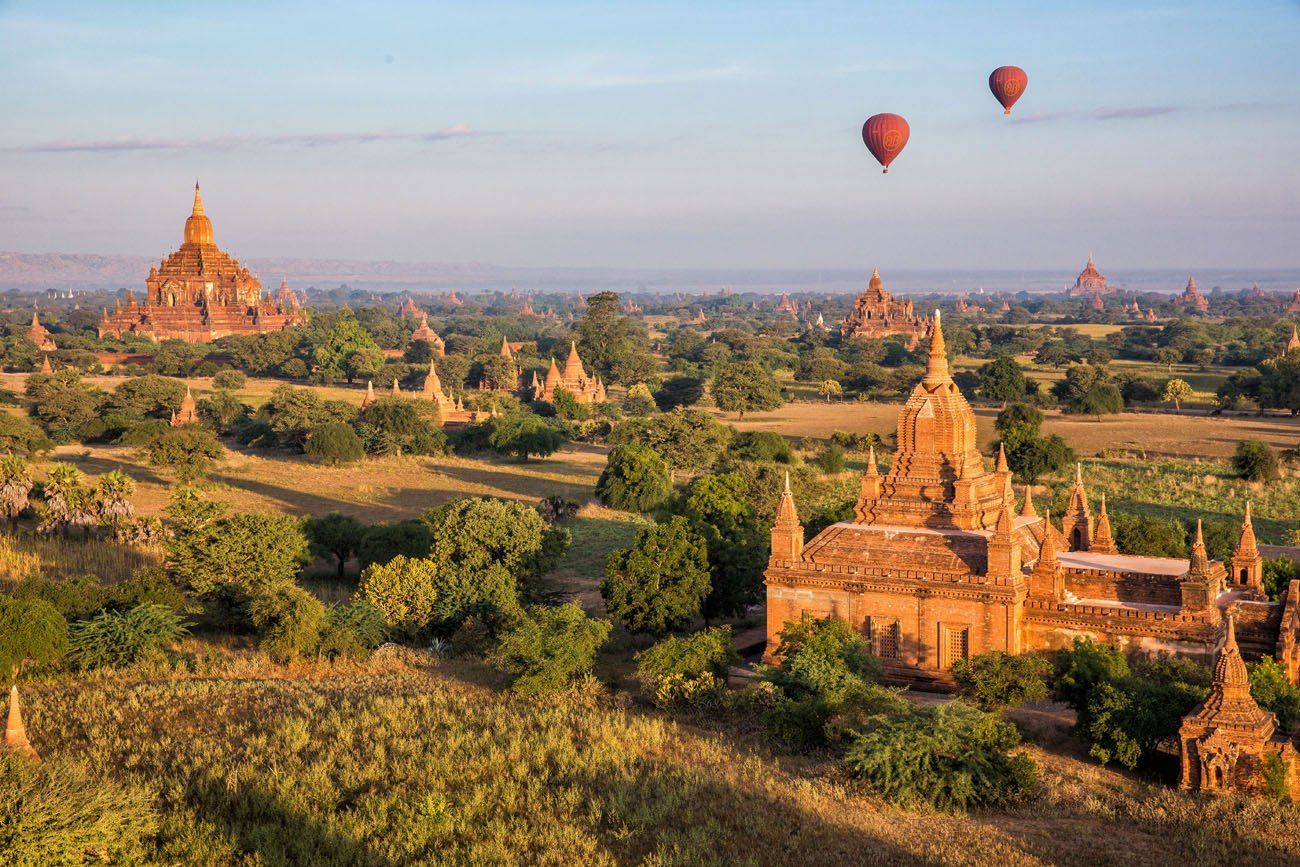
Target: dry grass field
x,y
407,760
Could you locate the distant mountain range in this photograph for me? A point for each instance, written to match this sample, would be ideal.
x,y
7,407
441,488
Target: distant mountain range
x,y
40,271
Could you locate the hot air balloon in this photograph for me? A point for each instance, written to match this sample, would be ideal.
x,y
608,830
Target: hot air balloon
x,y
885,135
1008,84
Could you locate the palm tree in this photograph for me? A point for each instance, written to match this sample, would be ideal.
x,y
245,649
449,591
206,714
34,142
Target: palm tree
x,y
67,500
15,487
113,505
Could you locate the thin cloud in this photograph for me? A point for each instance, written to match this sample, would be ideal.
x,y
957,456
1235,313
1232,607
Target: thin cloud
x,y
1042,117
226,143
1137,111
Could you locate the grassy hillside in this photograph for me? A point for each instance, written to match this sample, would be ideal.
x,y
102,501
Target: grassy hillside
x,y
417,761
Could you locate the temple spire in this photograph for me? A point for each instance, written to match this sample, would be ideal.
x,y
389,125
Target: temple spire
x,y
936,365
1028,511
1002,460
787,533
872,469
1199,564
198,201
16,731
1103,541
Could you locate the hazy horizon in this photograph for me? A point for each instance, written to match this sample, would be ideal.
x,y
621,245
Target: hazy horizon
x,y
657,135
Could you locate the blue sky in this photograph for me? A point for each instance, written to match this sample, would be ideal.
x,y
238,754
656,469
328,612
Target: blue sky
x,y
682,134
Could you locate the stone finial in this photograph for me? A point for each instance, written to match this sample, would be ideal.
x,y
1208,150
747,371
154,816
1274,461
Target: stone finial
x,y
936,364
16,731
1028,510
1002,466
1103,541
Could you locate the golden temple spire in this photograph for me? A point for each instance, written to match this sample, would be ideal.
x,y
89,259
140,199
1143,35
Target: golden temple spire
x,y
1199,564
1002,460
198,201
872,469
1103,541
936,365
1028,510
1246,545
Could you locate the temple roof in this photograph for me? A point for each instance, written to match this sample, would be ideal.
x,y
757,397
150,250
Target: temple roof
x,y
198,228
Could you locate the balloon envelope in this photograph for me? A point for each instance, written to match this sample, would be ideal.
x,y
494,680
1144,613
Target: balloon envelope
x,y
885,135
1008,84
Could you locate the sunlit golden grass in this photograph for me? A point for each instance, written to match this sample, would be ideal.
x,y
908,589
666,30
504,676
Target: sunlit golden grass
x,y
27,555
408,760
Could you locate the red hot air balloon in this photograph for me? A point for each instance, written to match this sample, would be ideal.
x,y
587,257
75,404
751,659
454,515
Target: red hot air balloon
x,y
885,135
1008,84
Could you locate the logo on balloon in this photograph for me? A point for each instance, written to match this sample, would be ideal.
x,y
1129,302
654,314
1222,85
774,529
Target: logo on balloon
x,y
893,138
1012,87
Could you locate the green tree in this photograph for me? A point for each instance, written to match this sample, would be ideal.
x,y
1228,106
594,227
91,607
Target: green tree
x,y
398,425
31,630
1081,670
190,451
745,386
211,548
611,344
830,388
524,435
1168,356
1002,379
68,502
335,443
820,365
63,404
635,479
476,533
404,590
334,535
639,400
679,391
687,440
112,499
949,757
716,508
1144,536
229,380
15,488
148,396
1256,461
1271,688
382,542
342,348
659,584
293,413
225,411
19,435
708,652
1177,391
549,646
289,621
997,681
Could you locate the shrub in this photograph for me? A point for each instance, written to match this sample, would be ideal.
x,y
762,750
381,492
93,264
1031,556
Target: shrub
x,y
831,460
1269,686
686,691
1081,670
31,630
353,629
556,509
189,451
120,638
382,542
403,590
950,757
230,379
635,479
659,584
1127,718
997,680
335,443
1256,461
707,652
1149,537
823,657
764,446
524,435
55,812
482,532
679,391
289,621
548,647
248,549
334,535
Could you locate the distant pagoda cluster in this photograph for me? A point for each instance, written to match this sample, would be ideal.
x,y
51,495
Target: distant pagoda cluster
x,y
876,313
573,378
200,293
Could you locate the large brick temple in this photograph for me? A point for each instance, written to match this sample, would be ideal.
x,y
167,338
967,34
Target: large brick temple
x,y
876,313
200,293
938,564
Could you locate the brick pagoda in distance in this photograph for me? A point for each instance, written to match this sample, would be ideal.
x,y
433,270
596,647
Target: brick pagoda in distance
x,y
200,293
938,564
876,313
